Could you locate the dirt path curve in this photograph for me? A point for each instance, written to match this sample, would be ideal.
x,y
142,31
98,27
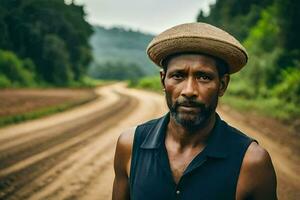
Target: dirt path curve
x,y
70,155
65,155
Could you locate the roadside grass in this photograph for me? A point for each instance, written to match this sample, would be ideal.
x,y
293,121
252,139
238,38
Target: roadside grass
x,y
18,118
148,83
88,82
84,82
269,107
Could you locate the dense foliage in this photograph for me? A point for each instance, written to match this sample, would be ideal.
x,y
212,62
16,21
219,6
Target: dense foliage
x,y
269,29
51,36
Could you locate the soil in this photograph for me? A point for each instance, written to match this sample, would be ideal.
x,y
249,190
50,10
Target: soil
x,y
19,101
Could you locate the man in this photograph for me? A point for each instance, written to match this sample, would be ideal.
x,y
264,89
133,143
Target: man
x,y
191,153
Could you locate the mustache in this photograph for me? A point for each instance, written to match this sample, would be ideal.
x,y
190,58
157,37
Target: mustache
x,y
189,103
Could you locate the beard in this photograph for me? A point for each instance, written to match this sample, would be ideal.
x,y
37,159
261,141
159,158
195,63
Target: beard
x,y
194,119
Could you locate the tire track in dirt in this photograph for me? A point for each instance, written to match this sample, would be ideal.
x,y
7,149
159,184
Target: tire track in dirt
x,y
13,178
94,173
48,141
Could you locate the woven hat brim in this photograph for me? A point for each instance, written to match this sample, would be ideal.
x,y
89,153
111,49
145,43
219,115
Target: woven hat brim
x,y
235,57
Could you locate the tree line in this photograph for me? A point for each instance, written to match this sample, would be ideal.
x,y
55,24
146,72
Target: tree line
x,y
43,43
116,71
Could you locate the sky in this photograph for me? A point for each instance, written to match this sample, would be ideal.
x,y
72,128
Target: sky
x,y
151,16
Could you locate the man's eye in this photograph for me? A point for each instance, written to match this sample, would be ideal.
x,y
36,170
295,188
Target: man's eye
x,y
177,76
204,77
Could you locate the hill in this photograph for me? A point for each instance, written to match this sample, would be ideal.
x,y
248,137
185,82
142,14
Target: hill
x,y
119,46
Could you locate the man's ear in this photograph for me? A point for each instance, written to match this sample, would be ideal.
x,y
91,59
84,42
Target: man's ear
x,y
224,81
162,77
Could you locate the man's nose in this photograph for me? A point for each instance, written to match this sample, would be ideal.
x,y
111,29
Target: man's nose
x,y
190,88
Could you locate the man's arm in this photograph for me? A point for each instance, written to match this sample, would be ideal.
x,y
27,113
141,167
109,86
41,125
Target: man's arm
x,y
257,178
122,166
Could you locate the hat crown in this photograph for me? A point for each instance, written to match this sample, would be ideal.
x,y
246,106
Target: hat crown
x,y
196,29
199,38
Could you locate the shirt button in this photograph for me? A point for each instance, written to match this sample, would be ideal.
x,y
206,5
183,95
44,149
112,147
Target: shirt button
x,y
177,192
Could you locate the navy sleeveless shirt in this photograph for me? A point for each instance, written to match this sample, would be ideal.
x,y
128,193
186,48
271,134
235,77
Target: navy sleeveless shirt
x,y
211,175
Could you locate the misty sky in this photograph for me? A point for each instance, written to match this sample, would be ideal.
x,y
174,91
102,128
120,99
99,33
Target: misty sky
x,y
151,16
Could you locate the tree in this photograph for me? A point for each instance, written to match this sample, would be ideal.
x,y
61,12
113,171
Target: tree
x,y
234,16
26,26
56,68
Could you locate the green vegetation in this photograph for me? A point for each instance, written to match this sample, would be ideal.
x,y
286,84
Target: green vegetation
x,y
49,43
15,72
43,43
150,83
271,107
269,29
88,82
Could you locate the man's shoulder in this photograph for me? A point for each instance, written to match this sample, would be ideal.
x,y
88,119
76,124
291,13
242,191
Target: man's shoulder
x,y
257,157
123,152
125,139
236,135
257,177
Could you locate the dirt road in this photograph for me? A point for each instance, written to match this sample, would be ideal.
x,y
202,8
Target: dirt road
x,y
70,155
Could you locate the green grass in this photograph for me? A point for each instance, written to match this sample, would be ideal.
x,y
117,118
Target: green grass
x,y
88,82
14,119
270,107
84,82
149,83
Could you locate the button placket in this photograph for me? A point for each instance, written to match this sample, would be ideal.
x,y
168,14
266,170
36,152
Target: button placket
x,y
178,189
177,193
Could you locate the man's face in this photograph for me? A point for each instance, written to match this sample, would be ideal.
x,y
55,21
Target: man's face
x,y
192,86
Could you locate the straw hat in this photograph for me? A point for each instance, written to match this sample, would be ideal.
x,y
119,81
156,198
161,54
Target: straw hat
x,y
198,38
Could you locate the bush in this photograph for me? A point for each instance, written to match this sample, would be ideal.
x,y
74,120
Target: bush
x,y
15,70
289,88
4,81
152,83
240,88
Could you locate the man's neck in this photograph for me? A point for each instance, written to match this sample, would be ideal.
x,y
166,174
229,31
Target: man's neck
x,y
185,139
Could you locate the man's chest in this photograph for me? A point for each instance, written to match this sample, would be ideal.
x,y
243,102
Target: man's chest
x,y
179,161
197,178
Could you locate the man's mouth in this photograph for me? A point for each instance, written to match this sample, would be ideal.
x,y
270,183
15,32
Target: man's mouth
x,y
189,108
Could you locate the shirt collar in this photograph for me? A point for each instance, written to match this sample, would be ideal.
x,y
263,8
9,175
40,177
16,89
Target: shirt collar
x,y
216,145
156,135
